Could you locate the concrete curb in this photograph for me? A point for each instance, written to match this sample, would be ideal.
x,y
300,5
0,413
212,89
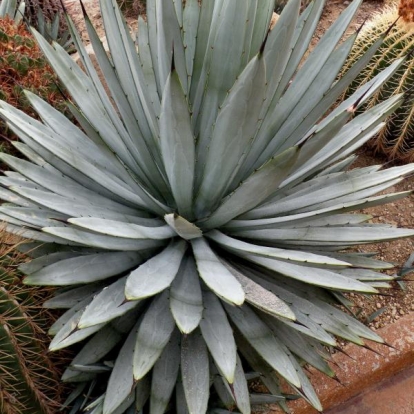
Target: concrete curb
x,y
365,370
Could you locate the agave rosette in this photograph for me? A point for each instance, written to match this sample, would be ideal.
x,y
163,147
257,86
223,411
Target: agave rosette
x,y
198,222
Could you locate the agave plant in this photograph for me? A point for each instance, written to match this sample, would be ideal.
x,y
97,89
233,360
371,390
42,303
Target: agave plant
x,y
198,223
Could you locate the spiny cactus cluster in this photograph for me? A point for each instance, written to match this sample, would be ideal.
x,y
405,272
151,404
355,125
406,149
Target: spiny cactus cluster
x,y
396,139
28,379
22,66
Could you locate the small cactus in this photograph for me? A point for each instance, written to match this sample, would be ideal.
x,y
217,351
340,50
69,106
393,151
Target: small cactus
x,y
396,139
29,381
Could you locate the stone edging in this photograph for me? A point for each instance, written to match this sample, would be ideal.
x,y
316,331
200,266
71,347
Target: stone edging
x,y
364,370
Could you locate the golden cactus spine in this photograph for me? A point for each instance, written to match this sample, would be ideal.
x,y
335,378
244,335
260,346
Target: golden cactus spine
x,y
396,139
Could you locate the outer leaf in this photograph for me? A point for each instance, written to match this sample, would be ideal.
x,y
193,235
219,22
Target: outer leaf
x,y
46,260
164,375
218,335
269,377
222,388
276,51
311,275
121,381
362,94
301,346
310,315
124,230
307,390
233,245
215,275
11,197
85,269
92,352
101,241
150,342
157,273
69,314
152,37
261,338
240,389
195,372
37,235
186,301
180,402
70,298
68,335
324,235
107,305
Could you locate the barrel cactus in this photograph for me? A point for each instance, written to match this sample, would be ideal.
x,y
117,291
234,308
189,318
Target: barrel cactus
x,y
396,138
29,382
198,223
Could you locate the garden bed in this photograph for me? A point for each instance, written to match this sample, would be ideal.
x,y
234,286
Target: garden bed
x,y
360,368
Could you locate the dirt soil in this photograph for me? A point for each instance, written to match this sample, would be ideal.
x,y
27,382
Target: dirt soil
x,y
394,303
